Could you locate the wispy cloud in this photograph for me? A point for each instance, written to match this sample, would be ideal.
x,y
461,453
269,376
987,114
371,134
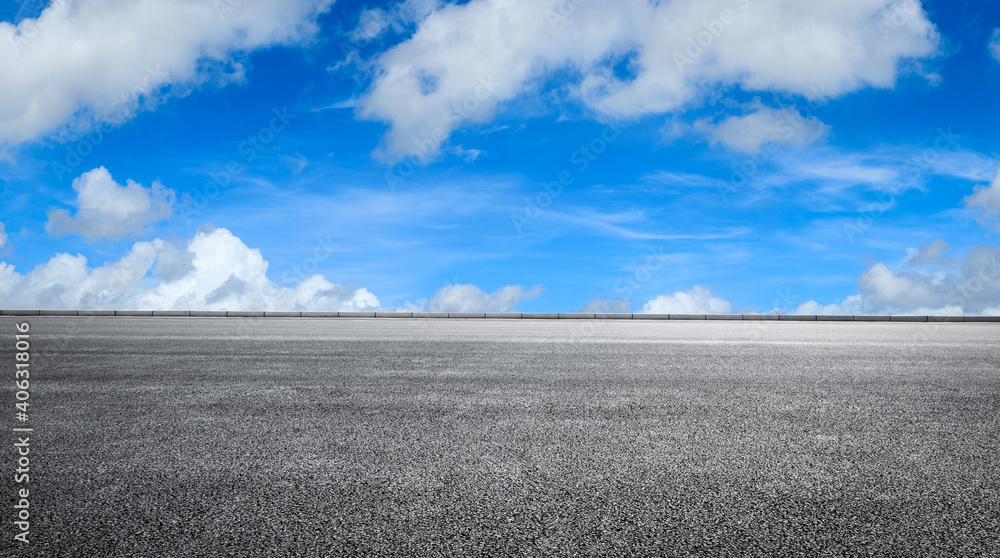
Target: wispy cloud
x,y
833,179
339,105
615,225
683,180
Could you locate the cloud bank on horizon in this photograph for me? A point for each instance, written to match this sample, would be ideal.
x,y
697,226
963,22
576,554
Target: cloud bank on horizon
x,y
684,156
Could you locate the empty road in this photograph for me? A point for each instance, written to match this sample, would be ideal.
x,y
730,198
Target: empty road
x,y
361,437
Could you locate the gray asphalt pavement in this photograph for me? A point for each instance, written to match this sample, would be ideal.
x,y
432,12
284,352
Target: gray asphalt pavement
x,y
312,437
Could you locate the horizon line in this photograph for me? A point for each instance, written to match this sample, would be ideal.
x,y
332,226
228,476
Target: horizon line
x,y
501,315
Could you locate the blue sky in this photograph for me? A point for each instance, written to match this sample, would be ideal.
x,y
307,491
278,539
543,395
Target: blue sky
x,y
680,156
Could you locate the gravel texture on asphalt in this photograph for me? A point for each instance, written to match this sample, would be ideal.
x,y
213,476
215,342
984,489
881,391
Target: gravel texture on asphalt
x,y
361,437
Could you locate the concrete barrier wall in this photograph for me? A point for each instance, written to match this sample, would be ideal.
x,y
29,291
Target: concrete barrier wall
x,y
872,318
500,315
650,316
234,314
495,315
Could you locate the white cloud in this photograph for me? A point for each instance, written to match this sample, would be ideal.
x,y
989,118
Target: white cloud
x,y
376,22
961,163
470,298
898,290
749,132
468,155
215,271
3,236
928,254
465,61
994,46
105,208
298,163
697,300
86,62
852,305
987,199
828,177
684,180
971,287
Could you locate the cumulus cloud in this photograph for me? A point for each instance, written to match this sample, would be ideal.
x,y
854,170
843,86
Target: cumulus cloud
x,y
85,62
987,199
607,306
749,132
970,287
697,300
994,46
173,263
214,271
106,208
898,290
464,61
470,298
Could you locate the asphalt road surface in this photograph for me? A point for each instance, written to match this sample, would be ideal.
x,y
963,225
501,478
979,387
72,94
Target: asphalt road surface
x,y
331,437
